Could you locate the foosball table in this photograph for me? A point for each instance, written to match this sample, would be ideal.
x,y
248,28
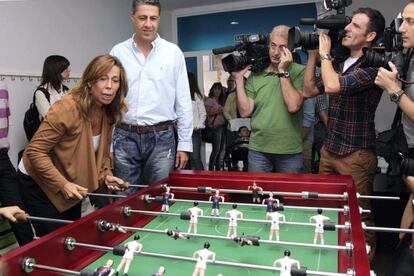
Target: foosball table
x,y
82,246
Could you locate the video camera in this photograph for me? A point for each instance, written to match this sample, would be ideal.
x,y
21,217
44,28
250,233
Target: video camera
x,y
389,49
334,23
253,49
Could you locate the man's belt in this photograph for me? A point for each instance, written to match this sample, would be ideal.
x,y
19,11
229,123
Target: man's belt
x,y
145,129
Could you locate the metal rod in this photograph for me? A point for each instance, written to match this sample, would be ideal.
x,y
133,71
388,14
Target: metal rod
x,y
106,195
55,269
258,205
331,247
377,197
216,262
300,194
387,229
50,220
154,213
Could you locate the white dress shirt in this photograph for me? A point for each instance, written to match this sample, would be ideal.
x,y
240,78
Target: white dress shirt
x,y
158,87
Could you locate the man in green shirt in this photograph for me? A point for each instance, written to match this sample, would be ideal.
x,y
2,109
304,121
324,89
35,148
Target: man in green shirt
x,y
273,98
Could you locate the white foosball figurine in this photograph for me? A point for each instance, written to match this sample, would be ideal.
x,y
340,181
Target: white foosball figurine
x,y
319,220
195,212
286,264
233,216
275,218
131,248
202,257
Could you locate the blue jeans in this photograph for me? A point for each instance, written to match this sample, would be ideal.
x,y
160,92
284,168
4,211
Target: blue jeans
x,y
217,153
143,158
195,156
280,163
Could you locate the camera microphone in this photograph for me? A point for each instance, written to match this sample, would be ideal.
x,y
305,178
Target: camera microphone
x,y
332,22
224,50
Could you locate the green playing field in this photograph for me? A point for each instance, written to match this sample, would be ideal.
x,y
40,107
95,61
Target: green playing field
x,y
226,250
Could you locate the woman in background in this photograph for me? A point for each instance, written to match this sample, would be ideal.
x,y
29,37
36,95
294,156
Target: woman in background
x,y
199,118
55,70
214,108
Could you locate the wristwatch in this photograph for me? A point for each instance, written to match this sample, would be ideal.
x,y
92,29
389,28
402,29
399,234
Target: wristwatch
x,y
283,74
326,56
395,97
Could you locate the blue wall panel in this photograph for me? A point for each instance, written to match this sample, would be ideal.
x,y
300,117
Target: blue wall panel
x,y
208,31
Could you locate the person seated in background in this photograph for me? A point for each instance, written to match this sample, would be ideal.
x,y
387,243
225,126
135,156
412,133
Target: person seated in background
x,y
238,150
69,155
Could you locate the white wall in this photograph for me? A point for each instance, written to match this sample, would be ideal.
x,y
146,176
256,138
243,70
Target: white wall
x,y
33,29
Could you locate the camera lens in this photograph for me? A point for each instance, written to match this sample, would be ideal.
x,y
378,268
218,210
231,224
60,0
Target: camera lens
x,y
407,165
297,38
376,58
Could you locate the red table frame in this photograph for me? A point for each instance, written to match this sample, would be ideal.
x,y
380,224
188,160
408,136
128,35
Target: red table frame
x,y
49,250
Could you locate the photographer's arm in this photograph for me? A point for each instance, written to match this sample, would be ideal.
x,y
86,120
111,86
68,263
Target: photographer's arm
x,y
293,98
329,77
244,103
309,85
388,81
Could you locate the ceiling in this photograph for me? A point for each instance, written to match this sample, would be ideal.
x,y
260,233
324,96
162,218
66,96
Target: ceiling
x,y
180,4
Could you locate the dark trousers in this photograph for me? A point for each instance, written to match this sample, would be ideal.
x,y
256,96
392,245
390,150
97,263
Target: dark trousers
x,y
10,196
38,204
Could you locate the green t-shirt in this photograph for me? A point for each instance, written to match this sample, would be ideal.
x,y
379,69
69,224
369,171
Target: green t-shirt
x,y
274,129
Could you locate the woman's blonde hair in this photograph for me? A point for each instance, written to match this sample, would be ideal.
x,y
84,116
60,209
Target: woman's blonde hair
x,y
96,69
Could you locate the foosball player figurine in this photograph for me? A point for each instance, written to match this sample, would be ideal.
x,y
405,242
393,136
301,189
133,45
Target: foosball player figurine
x,y
105,270
233,216
255,192
275,218
215,199
270,202
319,220
195,212
107,226
166,197
160,272
131,248
246,240
176,234
286,264
202,257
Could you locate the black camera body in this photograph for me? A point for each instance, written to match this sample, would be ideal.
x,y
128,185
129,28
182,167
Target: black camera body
x,y
407,165
252,50
334,23
389,49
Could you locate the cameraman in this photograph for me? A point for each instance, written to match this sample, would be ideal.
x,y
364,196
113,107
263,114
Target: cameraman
x,y
388,80
273,99
353,99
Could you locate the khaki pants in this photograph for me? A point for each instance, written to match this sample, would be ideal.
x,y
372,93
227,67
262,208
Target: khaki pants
x,y
361,165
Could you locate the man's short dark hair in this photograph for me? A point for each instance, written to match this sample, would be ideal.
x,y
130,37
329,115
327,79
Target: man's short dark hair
x,y
376,21
136,3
